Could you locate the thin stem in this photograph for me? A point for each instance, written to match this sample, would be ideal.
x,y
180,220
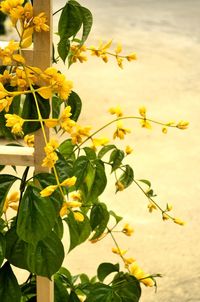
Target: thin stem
x,y
58,10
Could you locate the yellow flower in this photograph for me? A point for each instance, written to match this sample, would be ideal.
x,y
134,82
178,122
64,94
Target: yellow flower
x,y
48,190
118,49
119,62
29,140
51,122
127,230
164,130
151,207
138,273
5,77
179,221
64,210
74,204
69,182
15,122
12,201
40,23
131,57
65,122
45,92
18,58
169,206
77,53
50,160
165,216
100,141
79,133
128,150
182,125
119,186
7,52
76,195
142,111
116,110
145,124
78,216
51,146
121,131
118,251
3,91
5,103
128,261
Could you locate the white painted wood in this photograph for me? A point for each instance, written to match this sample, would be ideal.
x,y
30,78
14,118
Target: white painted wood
x,y
16,156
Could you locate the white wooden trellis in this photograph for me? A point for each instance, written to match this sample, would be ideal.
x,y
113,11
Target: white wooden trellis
x,y
40,56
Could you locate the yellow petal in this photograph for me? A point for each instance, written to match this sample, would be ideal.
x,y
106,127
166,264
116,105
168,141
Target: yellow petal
x,y
78,216
45,92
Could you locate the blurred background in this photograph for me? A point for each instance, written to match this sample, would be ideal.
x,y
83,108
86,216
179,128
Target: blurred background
x,y
165,79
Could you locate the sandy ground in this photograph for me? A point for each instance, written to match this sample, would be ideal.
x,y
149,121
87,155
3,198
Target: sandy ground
x,y
165,35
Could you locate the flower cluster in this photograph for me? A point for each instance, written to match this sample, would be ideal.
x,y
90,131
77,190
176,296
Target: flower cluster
x,y
77,53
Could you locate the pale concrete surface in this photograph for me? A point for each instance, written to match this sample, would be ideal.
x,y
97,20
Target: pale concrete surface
x,y
165,35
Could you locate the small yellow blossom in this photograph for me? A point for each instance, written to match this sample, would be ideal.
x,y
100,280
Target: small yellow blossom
x,y
145,124
119,62
129,261
151,206
65,122
179,221
29,140
48,190
64,210
119,186
40,23
131,57
51,146
51,122
127,230
138,273
165,216
5,103
100,141
50,160
80,133
18,58
142,111
73,204
78,216
77,53
120,131
164,130
69,182
12,201
116,110
15,122
118,49
118,251
182,125
169,206
128,150
76,195
5,77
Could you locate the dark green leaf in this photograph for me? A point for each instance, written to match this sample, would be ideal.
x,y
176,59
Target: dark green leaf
x,y
79,231
99,217
60,291
63,47
90,153
58,227
99,182
73,297
9,288
70,21
105,269
116,158
64,167
56,104
80,169
46,257
36,213
15,106
16,249
2,248
87,22
105,149
102,292
127,177
75,103
6,181
30,112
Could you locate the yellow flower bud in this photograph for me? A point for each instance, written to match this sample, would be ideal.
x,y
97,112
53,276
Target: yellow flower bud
x,y
164,130
128,150
127,230
182,125
119,186
78,216
69,182
179,221
48,190
142,111
165,216
118,251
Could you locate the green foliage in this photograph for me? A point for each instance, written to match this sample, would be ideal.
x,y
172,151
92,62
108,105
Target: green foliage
x,y
9,289
6,181
105,269
75,103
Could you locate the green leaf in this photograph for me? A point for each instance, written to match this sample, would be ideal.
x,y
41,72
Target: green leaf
x,y
63,47
2,248
87,22
6,181
80,169
66,149
64,167
99,182
90,153
30,112
102,292
127,287
146,182
46,257
79,231
105,269
117,218
60,291
56,104
16,249
127,177
116,158
70,21
105,149
58,227
36,213
90,176
9,289
75,103
99,217
73,297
